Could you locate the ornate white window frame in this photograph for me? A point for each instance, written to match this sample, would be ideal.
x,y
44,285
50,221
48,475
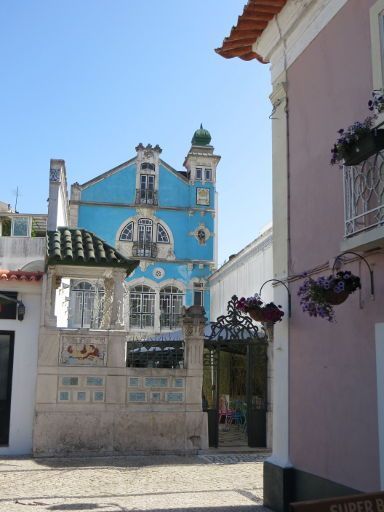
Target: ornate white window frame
x,y
165,250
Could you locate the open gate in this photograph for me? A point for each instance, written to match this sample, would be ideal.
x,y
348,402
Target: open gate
x,y
235,379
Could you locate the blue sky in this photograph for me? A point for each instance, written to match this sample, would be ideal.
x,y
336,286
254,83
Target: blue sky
x,y
87,80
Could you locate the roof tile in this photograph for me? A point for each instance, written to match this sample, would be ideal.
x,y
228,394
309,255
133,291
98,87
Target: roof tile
x,y
69,246
251,24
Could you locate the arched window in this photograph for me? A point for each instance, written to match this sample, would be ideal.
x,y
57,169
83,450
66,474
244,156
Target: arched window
x,y
86,305
171,303
127,233
162,235
142,307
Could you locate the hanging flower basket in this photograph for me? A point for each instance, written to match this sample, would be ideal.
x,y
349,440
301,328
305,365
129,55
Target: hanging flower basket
x,y
254,307
256,313
334,298
366,146
318,296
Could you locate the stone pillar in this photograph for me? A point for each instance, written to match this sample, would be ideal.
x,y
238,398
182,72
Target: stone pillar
x,y
50,319
193,330
108,299
117,313
196,420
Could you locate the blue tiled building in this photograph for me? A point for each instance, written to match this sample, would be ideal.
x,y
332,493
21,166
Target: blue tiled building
x,y
163,217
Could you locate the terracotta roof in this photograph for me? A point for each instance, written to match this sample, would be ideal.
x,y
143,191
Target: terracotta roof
x,y
72,246
20,275
250,25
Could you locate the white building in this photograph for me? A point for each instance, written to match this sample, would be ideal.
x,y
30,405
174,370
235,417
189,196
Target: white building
x,y
243,274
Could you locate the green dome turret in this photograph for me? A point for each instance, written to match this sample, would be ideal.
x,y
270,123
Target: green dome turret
x,y
201,137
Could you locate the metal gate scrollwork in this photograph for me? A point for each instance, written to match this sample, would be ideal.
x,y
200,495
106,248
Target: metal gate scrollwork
x,y
235,325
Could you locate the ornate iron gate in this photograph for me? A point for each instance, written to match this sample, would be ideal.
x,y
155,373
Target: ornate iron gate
x,y
236,334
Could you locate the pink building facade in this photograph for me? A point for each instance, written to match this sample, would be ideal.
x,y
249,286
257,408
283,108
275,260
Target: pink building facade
x,y
326,58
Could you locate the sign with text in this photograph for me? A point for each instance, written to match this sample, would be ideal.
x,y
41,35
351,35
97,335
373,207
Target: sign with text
x,y
373,502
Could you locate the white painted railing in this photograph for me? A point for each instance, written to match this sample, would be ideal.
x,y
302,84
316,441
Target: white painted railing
x,y
364,195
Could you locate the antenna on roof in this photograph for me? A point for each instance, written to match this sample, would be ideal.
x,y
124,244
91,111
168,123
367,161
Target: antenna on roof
x,y
17,197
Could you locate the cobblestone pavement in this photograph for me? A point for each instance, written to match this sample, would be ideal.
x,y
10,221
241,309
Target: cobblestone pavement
x,y
205,483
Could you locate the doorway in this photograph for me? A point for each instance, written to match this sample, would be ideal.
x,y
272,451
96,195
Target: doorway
x,y
6,367
235,393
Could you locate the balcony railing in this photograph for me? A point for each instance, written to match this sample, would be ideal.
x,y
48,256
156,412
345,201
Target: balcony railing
x,y
144,249
146,196
364,195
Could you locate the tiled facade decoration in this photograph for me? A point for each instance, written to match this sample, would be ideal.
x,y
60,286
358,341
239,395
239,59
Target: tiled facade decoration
x,y
149,389
69,381
137,396
95,381
64,396
179,383
82,388
172,396
156,382
83,351
134,382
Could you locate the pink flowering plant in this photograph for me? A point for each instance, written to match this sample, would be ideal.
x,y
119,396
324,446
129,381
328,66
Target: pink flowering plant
x,y
318,296
269,312
349,137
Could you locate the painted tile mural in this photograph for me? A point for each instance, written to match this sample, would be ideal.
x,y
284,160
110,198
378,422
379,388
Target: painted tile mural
x,y
83,351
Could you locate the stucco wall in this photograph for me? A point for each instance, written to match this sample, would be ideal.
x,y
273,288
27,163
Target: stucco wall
x,y
24,367
332,385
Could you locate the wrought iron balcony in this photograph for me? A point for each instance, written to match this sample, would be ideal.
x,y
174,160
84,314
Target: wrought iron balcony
x,y
364,195
144,249
146,196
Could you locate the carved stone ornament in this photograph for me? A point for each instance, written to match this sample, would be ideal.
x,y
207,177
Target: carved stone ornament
x,y
188,330
202,234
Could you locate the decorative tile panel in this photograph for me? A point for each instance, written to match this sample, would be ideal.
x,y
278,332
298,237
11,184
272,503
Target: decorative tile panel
x,y
79,351
134,382
178,383
69,381
81,396
55,175
64,396
156,382
98,396
172,396
137,397
95,381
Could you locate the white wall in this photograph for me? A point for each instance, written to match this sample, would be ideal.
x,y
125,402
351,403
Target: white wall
x,y
16,252
243,274
24,366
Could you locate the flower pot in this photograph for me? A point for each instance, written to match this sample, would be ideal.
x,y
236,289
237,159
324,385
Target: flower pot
x,y
334,298
367,146
256,314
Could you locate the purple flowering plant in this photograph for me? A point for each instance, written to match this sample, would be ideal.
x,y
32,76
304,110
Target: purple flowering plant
x,y
316,294
268,312
349,137
376,104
